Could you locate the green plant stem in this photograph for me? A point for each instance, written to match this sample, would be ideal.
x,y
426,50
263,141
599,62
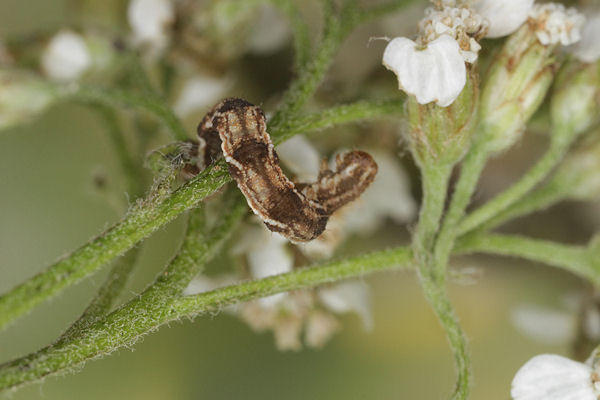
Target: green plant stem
x,y
302,45
199,245
108,293
113,98
146,313
143,314
438,297
131,171
559,145
542,198
465,187
435,185
145,218
338,115
112,287
575,259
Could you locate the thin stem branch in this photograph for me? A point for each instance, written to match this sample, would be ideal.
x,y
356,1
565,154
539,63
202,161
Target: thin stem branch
x,y
338,115
435,179
540,199
558,147
465,187
120,98
575,259
438,298
146,313
108,293
302,44
435,185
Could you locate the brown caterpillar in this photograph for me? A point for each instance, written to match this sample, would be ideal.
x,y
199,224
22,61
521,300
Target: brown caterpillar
x,y
237,130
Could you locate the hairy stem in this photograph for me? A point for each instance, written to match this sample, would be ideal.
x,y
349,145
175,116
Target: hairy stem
x,y
465,187
435,185
438,297
147,312
558,147
575,259
549,194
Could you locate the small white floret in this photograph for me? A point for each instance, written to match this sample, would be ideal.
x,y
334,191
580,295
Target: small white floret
x,y
349,297
556,24
66,57
553,377
504,16
199,92
436,73
299,155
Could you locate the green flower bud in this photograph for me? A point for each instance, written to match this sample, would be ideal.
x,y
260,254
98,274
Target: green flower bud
x,y
442,135
580,171
576,98
22,97
516,84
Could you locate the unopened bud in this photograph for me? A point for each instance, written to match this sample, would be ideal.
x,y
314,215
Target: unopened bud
x,y
442,135
22,97
517,82
576,98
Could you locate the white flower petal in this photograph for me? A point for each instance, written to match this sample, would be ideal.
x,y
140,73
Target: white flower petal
x,y
504,16
436,73
544,325
199,92
299,155
149,20
349,297
389,196
66,57
588,48
552,377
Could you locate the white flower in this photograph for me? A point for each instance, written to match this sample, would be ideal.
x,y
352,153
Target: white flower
x,y
267,255
66,57
199,92
436,73
389,196
299,155
149,20
460,23
349,297
588,48
504,16
553,377
554,23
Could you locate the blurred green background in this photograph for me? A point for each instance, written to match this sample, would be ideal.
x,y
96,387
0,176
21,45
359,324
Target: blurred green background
x,y
47,207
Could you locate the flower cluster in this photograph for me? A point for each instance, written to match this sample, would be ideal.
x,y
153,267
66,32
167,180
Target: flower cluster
x,y
432,67
556,24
